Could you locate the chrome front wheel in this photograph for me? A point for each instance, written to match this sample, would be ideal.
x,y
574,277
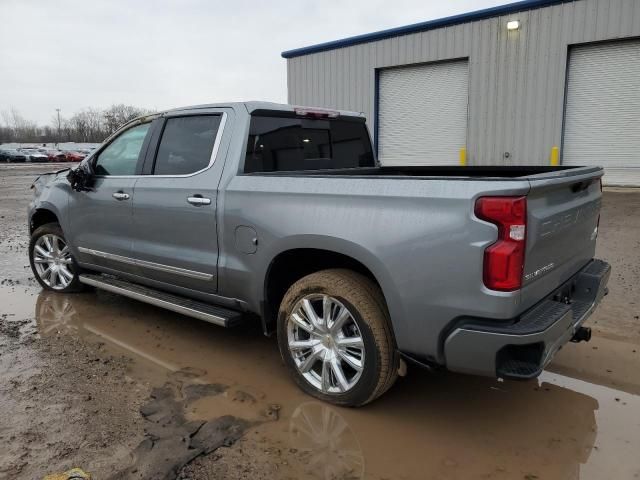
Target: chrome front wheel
x,y
53,261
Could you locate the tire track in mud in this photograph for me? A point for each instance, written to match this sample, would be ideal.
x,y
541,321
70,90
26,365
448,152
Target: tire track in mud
x,y
172,440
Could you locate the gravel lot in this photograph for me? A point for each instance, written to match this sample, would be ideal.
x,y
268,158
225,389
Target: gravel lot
x,y
126,390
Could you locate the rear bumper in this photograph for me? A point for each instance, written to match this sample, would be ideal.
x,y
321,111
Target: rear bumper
x,y
522,348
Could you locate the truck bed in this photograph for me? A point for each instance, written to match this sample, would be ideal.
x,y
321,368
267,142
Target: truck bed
x,y
414,223
475,172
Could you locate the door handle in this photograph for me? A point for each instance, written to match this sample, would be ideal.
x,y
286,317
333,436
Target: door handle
x,y
198,200
121,196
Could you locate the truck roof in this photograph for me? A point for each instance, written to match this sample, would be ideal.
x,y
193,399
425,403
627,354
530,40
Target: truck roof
x,y
253,105
250,106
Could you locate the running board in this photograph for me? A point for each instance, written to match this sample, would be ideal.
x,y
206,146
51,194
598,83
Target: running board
x,y
192,308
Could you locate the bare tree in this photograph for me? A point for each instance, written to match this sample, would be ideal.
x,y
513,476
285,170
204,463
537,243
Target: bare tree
x,y
117,115
90,125
7,134
17,127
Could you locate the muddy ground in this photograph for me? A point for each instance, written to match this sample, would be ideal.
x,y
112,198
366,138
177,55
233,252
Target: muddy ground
x,y
126,390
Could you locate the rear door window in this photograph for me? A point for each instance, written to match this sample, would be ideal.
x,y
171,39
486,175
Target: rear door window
x,y
280,143
186,144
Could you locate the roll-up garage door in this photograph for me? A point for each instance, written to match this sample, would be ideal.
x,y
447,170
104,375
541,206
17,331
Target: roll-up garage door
x,y
602,119
422,113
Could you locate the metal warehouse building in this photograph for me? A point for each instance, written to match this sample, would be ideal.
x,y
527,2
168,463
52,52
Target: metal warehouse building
x,y
498,86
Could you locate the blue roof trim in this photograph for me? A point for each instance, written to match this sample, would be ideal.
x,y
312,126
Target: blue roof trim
x,y
423,26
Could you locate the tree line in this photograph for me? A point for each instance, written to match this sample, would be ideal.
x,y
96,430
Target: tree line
x,y
91,125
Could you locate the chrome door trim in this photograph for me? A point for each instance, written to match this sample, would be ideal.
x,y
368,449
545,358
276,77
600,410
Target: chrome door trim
x,y
145,264
108,256
170,269
212,159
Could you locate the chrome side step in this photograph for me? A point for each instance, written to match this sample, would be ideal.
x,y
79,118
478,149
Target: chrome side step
x,y
192,308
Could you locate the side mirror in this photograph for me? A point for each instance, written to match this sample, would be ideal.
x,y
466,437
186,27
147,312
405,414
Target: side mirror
x,y
81,178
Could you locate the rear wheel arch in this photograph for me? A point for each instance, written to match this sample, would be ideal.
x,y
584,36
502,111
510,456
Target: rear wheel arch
x,y
289,266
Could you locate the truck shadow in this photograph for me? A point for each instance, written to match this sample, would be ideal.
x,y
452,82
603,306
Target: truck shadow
x,y
437,425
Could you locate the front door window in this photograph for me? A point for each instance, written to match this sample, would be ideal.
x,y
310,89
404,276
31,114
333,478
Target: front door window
x,y
120,157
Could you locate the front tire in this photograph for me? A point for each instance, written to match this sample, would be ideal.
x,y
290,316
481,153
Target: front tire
x,y
51,260
335,337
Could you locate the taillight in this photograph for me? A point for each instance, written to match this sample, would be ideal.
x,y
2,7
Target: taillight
x,y
504,259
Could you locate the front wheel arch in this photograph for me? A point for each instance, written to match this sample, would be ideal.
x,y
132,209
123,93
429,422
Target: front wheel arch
x,y
42,216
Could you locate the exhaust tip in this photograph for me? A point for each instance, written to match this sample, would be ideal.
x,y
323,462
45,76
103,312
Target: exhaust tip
x,y
583,334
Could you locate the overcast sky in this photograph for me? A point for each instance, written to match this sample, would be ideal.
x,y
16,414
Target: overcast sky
x,y
73,54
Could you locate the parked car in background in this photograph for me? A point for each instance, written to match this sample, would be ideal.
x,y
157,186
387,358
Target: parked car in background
x,y
55,155
33,155
73,156
12,155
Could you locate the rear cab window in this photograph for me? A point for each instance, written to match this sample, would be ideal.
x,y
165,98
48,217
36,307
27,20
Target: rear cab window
x,y
282,142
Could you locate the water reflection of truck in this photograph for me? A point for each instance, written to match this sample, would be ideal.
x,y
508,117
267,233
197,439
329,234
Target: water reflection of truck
x,y
429,423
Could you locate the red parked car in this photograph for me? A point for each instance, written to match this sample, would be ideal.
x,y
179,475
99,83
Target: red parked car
x,y
73,156
55,155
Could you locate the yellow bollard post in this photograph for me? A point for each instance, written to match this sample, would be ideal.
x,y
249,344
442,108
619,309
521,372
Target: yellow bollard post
x,y
463,157
555,156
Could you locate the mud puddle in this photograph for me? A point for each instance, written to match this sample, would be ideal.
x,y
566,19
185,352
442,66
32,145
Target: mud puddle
x,y
450,426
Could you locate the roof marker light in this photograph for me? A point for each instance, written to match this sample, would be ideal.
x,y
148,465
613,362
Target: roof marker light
x,y
316,112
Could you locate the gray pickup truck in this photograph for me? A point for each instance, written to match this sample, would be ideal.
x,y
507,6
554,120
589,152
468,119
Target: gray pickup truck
x,y
235,211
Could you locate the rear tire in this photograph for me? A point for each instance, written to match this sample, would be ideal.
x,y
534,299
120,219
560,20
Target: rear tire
x,y
335,337
51,261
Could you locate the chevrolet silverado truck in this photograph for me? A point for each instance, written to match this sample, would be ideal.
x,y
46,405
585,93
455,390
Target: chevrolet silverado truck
x,y
282,214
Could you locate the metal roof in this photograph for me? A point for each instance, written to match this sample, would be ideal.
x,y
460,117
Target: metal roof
x,y
423,26
253,105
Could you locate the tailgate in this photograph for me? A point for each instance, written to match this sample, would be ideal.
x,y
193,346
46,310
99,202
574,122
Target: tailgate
x,y
562,217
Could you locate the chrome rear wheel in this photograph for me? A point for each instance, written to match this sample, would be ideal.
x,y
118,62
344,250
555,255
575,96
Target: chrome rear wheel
x,y
326,344
335,337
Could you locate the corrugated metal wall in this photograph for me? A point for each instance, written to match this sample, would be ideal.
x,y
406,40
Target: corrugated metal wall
x,y
516,78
